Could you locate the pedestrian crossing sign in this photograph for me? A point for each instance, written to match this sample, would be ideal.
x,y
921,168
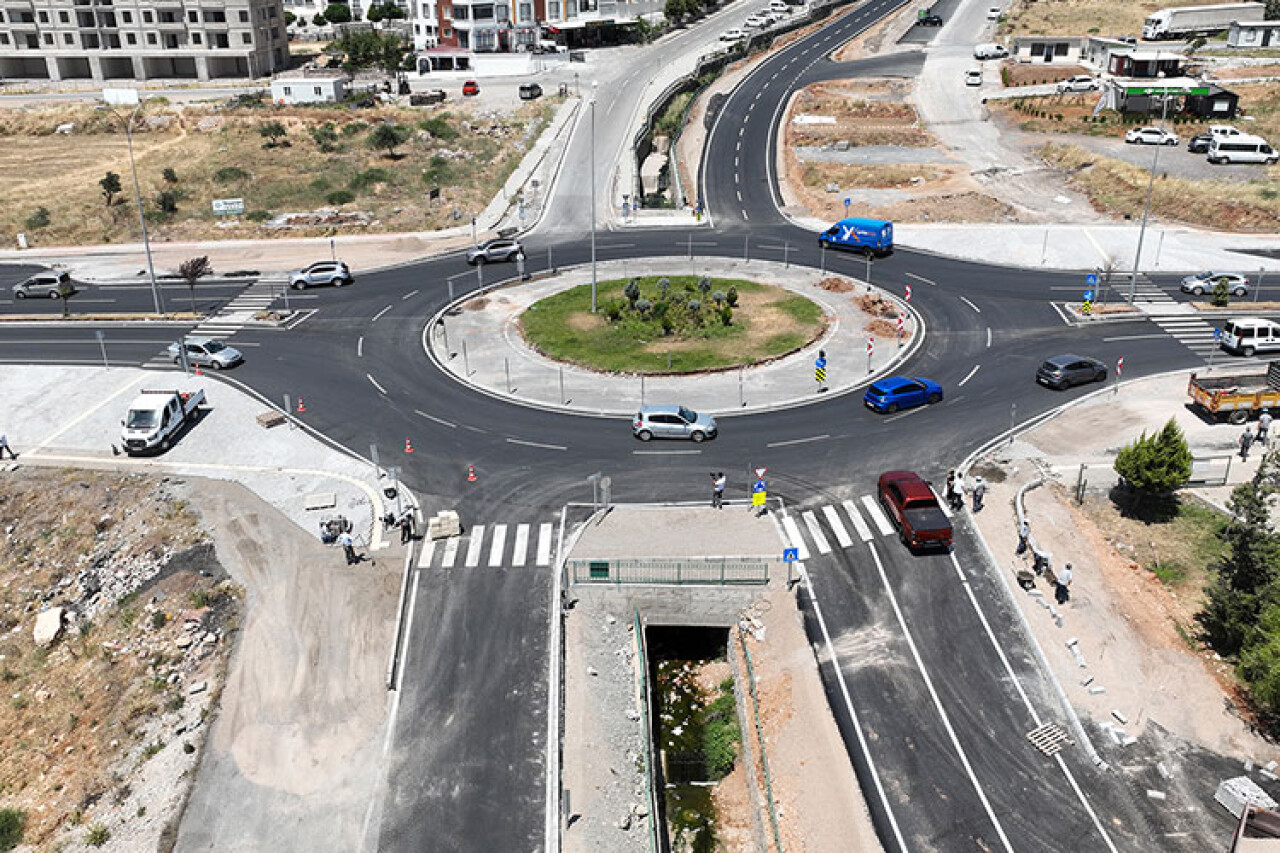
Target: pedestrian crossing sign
x,y
790,555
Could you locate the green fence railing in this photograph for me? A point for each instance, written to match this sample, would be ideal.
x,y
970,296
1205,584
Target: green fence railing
x,y
717,571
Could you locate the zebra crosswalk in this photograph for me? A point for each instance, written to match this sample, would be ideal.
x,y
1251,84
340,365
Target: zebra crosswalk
x,y
486,545
239,312
1177,319
810,530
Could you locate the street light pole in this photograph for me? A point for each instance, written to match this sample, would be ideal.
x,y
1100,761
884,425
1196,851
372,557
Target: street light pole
x,y
594,84
1151,182
131,95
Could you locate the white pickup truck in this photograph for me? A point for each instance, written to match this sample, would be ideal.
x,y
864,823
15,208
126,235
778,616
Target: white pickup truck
x,y
155,418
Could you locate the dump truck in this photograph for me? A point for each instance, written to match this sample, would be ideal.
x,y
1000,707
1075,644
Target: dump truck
x,y
1183,21
155,417
1236,396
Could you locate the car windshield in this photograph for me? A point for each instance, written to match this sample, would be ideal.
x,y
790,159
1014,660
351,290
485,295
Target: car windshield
x,y
140,419
688,414
214,346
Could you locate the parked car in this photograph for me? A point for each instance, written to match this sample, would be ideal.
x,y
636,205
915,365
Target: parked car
x,y
1151,136
732,35
755,22
428,98
901,392
206,352
672,422
48,284
993,14
1204,282
530,91
501,249
1078,83
1224,131
1063,371
1244,148
973,77
914,510
470,88
1199,143
336,273
929,20
990,51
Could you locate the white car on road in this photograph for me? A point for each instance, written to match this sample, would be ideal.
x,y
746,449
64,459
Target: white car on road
x,y
732,35
1078,83
1151,136
973,77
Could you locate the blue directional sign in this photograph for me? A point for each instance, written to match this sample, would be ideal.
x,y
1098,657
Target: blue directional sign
x,y
790,555
1091,279
759,486
1088,296
1217,335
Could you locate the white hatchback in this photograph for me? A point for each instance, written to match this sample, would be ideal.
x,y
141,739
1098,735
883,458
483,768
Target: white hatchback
x,y
1151,136
973,77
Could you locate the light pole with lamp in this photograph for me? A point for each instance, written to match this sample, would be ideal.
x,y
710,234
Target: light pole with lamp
x,y
126,97
1151,182
594,85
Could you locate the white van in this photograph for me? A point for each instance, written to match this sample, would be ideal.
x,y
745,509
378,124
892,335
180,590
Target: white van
x,y
1251,335
779,7
990,51
1241,149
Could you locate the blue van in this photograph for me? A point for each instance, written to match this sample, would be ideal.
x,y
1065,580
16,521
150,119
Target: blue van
x,y
859,235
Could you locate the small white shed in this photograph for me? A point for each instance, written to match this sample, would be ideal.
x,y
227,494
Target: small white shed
x,y
307,90
1254,34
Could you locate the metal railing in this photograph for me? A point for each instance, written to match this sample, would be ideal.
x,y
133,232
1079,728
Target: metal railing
x,y
759,730
650,754
713,571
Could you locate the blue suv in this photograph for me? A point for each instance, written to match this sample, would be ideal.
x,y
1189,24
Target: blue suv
x,y
901,392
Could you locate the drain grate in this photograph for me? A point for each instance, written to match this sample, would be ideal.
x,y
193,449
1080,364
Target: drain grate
x,y
1049,738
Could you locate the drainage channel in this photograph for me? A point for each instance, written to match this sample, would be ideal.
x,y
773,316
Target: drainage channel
x,y
695,730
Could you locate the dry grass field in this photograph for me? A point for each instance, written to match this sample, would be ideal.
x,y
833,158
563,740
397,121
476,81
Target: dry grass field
x,y
324,161
1082,17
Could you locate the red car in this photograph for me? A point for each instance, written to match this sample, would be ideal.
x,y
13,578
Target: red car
x,y
914,509
471,87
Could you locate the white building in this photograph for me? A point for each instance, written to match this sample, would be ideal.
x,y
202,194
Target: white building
x,y
308,90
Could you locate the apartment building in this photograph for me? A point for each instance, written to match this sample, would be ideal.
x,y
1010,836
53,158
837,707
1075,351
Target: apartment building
x,y
498,26
141,39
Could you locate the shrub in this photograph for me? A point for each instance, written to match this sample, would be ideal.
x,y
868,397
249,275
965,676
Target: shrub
x,y
258,215
12,823
338,13
439,128
367,178
726,316
158,619
720,734
230,174
732,296
325,137
167,201
388,137
1155,465
319,185
351,128
39,219
97,835
170,176
272,131
338,197
1221,295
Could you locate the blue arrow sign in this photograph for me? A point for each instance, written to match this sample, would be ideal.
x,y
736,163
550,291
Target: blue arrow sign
x,y
790,555
1088,296
759,486
1217,334
1091,279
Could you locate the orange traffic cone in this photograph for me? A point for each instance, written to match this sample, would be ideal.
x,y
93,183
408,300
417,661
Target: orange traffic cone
x,y
408,448
471,473
198,373
301,406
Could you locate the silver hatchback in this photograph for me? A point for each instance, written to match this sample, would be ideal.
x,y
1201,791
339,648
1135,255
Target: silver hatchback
x,y
49,284
672,422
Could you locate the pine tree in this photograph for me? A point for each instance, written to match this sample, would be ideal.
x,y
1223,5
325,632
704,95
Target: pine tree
x,y
1156,465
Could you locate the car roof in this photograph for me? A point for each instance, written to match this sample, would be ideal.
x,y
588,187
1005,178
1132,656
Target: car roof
x,y
911,483
662,409
197,339
1066,358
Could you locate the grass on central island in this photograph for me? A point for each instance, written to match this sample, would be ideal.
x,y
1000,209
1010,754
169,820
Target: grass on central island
x,y
642,335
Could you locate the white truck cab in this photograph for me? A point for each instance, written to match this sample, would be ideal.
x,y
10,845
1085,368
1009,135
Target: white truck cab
x,y
154,419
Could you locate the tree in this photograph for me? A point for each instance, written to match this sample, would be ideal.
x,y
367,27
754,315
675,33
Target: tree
x,y
1260,661
376,13
66,290
371,49
289,18
170,176
337,13
1272,12
388,137
192,270
392,11
319,20
167,201
1156,465
110,184
273,132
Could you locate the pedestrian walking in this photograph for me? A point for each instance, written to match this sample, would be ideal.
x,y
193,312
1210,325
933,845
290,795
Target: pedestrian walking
x,y
1246,441
1024,537
717,490
349,547
820,370
951,489
979,492
406,526
1264,428
1061,593
4,445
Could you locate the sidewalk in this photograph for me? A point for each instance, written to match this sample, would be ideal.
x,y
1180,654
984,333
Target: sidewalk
x,y
480,344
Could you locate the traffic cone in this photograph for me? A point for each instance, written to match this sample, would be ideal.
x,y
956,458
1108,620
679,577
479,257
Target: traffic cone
x,y
198,373
471,473
301,406
408,448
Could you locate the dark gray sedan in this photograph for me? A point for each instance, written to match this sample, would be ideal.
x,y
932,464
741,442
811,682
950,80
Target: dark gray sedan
x,y
1063,371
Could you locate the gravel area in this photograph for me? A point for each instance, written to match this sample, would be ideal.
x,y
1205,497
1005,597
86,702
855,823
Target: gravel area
x,y
1175,160
870,155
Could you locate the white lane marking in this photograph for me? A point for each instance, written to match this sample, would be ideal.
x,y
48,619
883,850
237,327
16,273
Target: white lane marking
x,y
735,161
544,544
450,552
428,551
908,413
739,195
381,390
379,314
988,337
966,301
499,542
738,147
411,293
744,215
877,515
1134,338
798,440
520,548
473,547
664,452
536,444
811,522
837,526
864,532
793,533
942,505
741,131
440,421
360,347
937,702
968,376
927,281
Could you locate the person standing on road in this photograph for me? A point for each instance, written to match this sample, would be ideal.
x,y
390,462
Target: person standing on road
x,y
1264,428
1024,537
349,547
979,492
717,490
1246,441
951,489
4,445
1061,593
406,526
